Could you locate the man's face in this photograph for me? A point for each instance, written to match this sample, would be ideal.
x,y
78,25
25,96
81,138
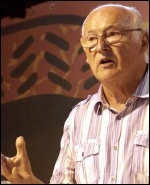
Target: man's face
x,y
118,61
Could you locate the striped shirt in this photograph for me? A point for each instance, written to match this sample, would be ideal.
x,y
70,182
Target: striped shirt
x,y
102,146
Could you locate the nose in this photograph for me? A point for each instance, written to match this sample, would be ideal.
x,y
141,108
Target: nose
x,y
102,45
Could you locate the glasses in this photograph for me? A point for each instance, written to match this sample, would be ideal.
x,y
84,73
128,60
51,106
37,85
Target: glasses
x,y
90,41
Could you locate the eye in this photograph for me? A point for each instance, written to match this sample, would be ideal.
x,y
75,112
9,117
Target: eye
x,y
91,38
112,34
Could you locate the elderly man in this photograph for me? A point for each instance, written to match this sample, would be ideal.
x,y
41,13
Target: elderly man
x,y
105,139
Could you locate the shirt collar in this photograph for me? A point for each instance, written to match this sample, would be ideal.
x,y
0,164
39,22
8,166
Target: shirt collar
x,y
100,96
142,90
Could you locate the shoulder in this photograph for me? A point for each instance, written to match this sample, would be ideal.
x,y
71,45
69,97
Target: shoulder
x,y
85,102
80,109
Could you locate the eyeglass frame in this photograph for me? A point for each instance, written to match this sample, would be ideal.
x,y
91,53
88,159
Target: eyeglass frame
x,y
105,38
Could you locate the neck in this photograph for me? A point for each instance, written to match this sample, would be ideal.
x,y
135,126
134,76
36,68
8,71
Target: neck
x,y
117,97
118,92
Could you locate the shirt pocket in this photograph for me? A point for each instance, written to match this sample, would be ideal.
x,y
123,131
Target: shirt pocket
x,y
87,161
141,153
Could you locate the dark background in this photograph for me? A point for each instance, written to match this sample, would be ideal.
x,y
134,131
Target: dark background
x,y
40,121
16,8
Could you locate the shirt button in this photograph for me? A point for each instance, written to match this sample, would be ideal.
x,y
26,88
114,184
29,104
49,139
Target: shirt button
x,y
115,147
112,178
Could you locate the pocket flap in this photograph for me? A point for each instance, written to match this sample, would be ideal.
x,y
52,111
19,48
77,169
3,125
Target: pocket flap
x,y
90,147
142,138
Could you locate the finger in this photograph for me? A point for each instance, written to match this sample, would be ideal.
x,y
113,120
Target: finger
x,y
7,163
4,171
21,146
3,158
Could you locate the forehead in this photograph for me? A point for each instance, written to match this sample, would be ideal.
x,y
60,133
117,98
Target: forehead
x,y
104,18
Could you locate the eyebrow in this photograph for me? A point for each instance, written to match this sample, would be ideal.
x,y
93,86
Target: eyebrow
x,y
111,26
105,29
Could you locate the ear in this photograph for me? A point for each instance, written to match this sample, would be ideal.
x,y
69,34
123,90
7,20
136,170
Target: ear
x,y
145,41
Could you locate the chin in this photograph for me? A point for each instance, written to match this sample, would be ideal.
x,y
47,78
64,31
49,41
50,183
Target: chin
x,y
105,76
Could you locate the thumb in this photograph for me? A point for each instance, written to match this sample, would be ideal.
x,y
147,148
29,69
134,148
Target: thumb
x,y
21,146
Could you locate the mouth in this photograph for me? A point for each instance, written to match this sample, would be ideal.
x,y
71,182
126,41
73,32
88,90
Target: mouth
x,y
105,61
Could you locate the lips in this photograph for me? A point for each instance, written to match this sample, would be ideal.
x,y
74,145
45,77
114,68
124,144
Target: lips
x,y
105,61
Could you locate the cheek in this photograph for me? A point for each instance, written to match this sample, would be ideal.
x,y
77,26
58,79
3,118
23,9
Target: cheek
x,y
125,54
132,54
91,61
93,66
131,50
89,56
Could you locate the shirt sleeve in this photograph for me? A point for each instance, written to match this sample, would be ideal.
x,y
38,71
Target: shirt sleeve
x,y
64,168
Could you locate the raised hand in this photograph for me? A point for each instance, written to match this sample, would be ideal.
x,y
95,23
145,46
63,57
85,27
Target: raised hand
x,y
17,170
